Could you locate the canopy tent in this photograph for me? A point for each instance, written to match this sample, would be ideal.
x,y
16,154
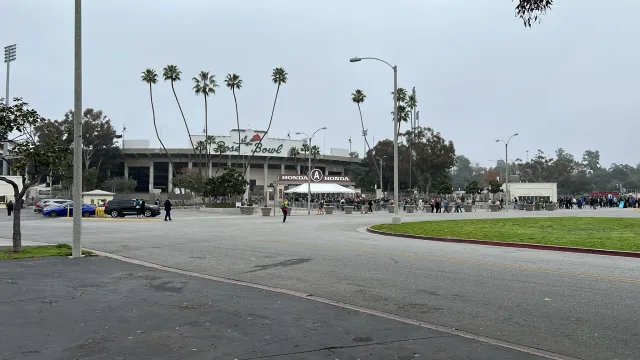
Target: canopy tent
x,y
326,188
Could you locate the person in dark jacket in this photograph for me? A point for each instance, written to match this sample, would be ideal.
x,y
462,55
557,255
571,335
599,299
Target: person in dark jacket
x,y
10,208
167,209
143,205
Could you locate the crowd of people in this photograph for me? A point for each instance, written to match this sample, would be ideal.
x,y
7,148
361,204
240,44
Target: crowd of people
x,y
594,202
365,204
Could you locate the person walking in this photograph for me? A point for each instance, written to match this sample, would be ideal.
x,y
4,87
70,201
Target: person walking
x,y
9,208
285,210
137,207
167,209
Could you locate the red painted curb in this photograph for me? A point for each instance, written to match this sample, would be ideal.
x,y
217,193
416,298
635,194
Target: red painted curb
x,y
512,245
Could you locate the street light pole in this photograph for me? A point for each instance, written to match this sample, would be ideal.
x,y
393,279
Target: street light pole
x,y
506,161
76,250
381,189
9,56
309,138
396,216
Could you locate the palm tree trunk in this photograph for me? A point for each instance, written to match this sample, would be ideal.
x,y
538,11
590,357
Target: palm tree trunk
x,y
206,137
273,109
235,100
186,125
155,126
367,142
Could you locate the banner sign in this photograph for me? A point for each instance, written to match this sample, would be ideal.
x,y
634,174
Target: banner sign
x,y
299,179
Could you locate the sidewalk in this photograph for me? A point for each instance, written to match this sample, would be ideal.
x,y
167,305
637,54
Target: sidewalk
x,y
101,308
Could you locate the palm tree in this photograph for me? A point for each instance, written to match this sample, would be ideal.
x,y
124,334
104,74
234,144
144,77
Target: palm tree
x,y
294,152
305,149
359,97
172,74
220,149
412,104
402,95
314,151
151,77
206,85
234,82
403,115
279,76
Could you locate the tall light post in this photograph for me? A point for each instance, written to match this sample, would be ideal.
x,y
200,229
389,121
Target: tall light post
x,y
9,56
381,188
506,160
309,138
76,250
395,219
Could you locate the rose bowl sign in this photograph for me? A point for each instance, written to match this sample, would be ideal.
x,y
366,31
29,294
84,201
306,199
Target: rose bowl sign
x,y
250,142
299,179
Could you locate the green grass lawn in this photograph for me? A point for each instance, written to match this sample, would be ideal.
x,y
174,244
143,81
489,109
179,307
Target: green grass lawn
x,y
588,232
39,251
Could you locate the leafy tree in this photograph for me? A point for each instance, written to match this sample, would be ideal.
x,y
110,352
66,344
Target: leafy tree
x,y
443,185
172,74
495,186
151,77
120,185
491,174
463,172
591,159
206,85
98,138
89,179
473,188
191,180
31,157
230,183
279,76
434,156
234,83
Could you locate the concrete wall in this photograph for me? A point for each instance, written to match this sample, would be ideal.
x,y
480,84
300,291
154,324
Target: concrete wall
x,y
533,189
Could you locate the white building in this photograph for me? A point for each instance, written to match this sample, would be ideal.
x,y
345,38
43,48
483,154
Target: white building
x,y
6,190
533,191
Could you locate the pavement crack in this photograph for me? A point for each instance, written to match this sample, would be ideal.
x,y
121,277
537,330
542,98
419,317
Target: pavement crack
x,y
331,348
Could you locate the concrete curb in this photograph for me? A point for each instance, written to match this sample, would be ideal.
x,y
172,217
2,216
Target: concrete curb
x,y
511,244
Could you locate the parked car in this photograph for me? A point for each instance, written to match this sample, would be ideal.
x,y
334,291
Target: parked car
x,y
42,204
122,208
62,209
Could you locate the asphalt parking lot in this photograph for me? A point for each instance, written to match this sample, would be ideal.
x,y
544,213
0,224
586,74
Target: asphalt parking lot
x,y
585,306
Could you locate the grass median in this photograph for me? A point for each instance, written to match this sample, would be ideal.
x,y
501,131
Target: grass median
x,y
29,252
622,234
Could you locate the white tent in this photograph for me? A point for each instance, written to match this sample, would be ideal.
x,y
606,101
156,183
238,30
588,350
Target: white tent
x,y
326,188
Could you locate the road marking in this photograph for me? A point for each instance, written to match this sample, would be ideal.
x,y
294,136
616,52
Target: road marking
x,y
423,324
462,261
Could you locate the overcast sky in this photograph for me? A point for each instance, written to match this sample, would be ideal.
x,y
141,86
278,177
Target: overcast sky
x,y
572,81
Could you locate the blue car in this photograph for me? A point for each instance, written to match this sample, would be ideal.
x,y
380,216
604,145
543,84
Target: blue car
x,y
67,209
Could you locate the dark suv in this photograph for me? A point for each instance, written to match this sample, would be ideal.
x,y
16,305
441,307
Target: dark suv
x,y
122,208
